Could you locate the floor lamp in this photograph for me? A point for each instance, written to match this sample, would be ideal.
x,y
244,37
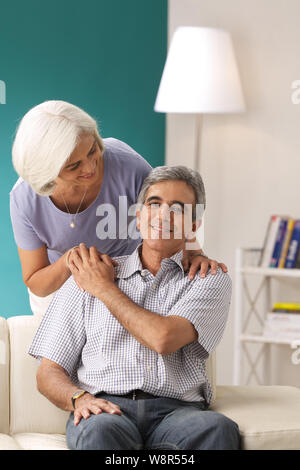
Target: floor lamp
x,y
200,76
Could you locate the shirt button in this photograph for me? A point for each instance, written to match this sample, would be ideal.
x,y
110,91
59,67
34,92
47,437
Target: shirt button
x,y
149,367
144,273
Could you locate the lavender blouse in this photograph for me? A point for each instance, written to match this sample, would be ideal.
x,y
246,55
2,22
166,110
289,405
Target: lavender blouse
x,y
108,223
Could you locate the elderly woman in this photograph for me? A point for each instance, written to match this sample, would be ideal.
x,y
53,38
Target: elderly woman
x,y
67,174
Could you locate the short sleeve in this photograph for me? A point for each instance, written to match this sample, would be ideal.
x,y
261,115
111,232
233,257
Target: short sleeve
x,y
25,236
61,334
206,305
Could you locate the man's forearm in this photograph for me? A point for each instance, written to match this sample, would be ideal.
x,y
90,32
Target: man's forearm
x,y
54,383
149,329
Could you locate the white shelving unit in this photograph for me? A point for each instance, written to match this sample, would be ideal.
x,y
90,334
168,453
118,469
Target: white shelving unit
x,y
243,334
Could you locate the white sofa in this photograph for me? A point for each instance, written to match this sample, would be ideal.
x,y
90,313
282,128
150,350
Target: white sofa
x,y
268,416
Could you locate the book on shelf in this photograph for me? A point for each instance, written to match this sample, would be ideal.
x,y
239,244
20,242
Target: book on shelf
x,y
284,321
297,264
282,325
281,243
286,242
293,247
286,307
269,241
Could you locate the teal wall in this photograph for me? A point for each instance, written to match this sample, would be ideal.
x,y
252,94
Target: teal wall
x,y
105,56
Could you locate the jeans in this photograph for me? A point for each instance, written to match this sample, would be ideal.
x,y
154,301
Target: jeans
x,y
159,423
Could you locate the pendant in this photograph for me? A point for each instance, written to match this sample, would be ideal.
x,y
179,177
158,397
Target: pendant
x,y
72,224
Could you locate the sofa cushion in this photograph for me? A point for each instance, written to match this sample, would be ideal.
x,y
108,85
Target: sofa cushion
x,y
4,377
29,410
268,416
40,441
8,443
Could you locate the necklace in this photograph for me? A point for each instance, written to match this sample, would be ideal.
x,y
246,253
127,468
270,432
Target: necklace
x,y
72,223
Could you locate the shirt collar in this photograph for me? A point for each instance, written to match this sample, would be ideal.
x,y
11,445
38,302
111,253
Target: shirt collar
x,y
133,263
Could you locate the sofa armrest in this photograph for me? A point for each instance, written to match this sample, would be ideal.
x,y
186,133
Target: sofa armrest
x,y
29,410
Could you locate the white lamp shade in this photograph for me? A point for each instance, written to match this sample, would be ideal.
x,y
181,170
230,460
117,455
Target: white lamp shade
x,y
200,74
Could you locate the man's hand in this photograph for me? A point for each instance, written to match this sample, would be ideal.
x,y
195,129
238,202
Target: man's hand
x,y
91,270
88,404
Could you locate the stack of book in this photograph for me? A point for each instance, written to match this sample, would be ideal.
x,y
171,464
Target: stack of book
x,y
282,242
283,322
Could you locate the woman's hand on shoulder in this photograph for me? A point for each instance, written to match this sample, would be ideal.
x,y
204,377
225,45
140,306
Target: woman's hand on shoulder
x,y
195,261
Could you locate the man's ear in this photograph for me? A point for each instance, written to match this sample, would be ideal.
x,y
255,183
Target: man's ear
x,y
196,225
138,218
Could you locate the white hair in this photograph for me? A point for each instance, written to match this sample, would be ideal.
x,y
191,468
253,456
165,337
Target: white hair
x,y
45,139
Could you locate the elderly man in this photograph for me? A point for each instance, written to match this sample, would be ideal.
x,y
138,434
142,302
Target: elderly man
x,y
126,353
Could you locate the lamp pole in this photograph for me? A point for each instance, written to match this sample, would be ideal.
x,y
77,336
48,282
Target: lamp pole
x,y
197,148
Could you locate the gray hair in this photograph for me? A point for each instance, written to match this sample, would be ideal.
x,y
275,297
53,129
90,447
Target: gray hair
x,y
177,173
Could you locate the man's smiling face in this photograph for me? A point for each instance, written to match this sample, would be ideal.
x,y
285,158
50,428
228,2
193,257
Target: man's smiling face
x,y
165,219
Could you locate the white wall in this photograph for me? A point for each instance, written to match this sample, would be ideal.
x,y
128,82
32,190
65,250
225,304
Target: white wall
x,y
250,163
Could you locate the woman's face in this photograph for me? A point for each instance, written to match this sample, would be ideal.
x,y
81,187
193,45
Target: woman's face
x,y
83,166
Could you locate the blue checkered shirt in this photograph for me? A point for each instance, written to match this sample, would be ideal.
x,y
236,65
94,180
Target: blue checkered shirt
x,y
80,334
